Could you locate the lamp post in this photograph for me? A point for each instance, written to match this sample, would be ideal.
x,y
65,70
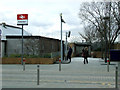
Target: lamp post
x,y
61,37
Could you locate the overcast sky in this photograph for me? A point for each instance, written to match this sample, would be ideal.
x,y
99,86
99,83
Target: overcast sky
x,y
44,16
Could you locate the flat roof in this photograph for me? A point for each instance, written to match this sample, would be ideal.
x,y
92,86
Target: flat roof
x,y
82,44
10,25
17,37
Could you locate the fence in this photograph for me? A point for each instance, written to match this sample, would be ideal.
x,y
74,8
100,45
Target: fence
x,y
55,54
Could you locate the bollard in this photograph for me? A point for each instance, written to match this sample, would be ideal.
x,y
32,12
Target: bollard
x,y
116,77
23,64
108,65
59,64
38,74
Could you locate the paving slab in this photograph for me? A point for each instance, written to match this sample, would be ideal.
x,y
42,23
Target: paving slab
x,y
72,75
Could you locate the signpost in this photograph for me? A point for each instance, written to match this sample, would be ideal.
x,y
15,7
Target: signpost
x,y
22,19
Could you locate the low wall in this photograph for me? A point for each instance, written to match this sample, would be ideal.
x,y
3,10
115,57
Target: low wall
x,y
28,60
117,46
96,54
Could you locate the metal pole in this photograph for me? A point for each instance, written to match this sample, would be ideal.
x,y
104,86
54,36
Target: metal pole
x,y
66,47
106,30
22,47
37,74
102,47
108,65
61,39
23,64
105,42
116,77
109,30
59,65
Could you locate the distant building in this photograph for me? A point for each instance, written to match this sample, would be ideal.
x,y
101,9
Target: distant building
x,y
78,47
33,45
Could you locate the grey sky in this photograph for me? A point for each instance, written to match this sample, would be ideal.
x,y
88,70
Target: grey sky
x,y
44,16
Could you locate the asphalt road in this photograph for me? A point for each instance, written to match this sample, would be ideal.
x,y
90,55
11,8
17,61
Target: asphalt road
x,y
73,75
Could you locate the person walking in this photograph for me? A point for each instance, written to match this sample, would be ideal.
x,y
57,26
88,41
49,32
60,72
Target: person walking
x,y
85,55
69,54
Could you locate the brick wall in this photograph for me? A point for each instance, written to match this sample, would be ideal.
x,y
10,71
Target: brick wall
x,y
28,60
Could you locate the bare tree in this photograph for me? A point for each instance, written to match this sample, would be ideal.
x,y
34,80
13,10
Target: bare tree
x,y
102,18
90,34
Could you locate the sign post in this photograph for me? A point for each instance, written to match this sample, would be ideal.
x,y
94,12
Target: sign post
x,y
22,19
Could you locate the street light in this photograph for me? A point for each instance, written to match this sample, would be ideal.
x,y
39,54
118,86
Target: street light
x,y
61,36
67,35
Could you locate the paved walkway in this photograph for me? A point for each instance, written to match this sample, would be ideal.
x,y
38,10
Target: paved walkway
x,y
73,75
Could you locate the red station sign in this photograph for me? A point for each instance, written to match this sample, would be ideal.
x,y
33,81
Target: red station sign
x,y
22,19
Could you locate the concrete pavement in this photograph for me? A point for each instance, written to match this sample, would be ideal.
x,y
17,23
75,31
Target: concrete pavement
x,y
72,75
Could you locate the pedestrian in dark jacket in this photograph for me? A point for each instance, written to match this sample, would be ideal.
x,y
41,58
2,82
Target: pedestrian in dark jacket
x,y
85,54
69,54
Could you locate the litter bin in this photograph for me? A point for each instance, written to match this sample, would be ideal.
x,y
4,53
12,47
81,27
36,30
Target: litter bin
x,y
115,55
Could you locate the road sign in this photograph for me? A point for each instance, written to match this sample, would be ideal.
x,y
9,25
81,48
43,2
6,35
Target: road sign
x,y
22,19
